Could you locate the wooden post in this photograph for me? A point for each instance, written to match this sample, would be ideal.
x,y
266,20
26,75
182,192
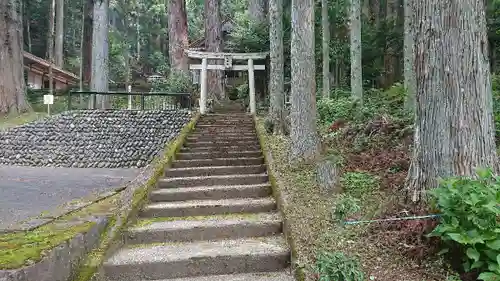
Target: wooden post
x,y
251,86
203,94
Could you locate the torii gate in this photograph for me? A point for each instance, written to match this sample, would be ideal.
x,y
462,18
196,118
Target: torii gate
x,y
228,65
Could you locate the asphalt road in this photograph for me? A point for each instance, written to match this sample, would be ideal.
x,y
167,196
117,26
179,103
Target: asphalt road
x,y
26,192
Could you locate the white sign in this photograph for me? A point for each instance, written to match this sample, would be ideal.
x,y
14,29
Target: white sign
x,y
48,99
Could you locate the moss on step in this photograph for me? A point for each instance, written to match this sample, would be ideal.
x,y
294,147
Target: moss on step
x,y
247,216
120,221
27,247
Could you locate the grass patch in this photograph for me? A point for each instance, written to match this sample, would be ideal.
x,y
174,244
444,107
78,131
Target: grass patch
x,y
8,122
313,228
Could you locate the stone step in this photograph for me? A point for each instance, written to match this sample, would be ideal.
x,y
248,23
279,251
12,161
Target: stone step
x,y
204,143
209,228
221,148
216,192
219,134
178,260
217,154
225,131
208,207
212,180
224,126
218,162
214,171
261,276
223,134
216,137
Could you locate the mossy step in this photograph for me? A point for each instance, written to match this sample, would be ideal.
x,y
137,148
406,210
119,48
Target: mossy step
x,y
209,228
216,192
215,170
217,154
265,276
233,179
218,162
178,260
208,207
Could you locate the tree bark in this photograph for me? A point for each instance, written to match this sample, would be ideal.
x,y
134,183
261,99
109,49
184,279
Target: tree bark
x,y
50,47
257,10
213,43
305,143
12,86
409,71
86,45
178,35
326,48
276,77
100,59
58,51
454,129
355,35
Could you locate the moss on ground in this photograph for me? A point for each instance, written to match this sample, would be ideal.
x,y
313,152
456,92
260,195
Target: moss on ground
x,y
308,213
8,122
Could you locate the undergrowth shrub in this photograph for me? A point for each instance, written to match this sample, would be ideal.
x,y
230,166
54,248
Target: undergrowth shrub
x,y
471,220
375,103
338,267
359,183
345,205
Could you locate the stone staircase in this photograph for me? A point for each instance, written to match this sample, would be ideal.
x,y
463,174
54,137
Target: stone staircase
x,y
212,217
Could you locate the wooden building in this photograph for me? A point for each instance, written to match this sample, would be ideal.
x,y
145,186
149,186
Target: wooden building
x,y
37,74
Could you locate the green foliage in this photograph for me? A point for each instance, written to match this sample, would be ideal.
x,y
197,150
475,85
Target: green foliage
x,y
345,205
471,219
359,183
247,35
338,267
177,82
377,102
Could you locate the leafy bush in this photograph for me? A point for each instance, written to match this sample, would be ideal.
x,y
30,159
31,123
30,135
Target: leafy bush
x,y
346,108
345,205
338,267
471,219
358,183
177,82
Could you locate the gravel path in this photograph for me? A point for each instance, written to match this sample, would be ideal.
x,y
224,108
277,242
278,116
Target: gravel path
x,y
28,191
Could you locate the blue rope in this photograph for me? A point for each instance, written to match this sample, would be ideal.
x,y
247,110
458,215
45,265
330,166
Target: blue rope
x,y
394,219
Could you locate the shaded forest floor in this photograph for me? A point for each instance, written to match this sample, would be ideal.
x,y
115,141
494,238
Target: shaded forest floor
x,y
374,158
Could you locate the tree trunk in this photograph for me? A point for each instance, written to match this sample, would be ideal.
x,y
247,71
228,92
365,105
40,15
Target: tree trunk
x,y
409,71
178,35
50,47
58,51
257,10
100,60
12,86
86,45
326,48
28,25
213,43
276,76
454,129
355,35
304,136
